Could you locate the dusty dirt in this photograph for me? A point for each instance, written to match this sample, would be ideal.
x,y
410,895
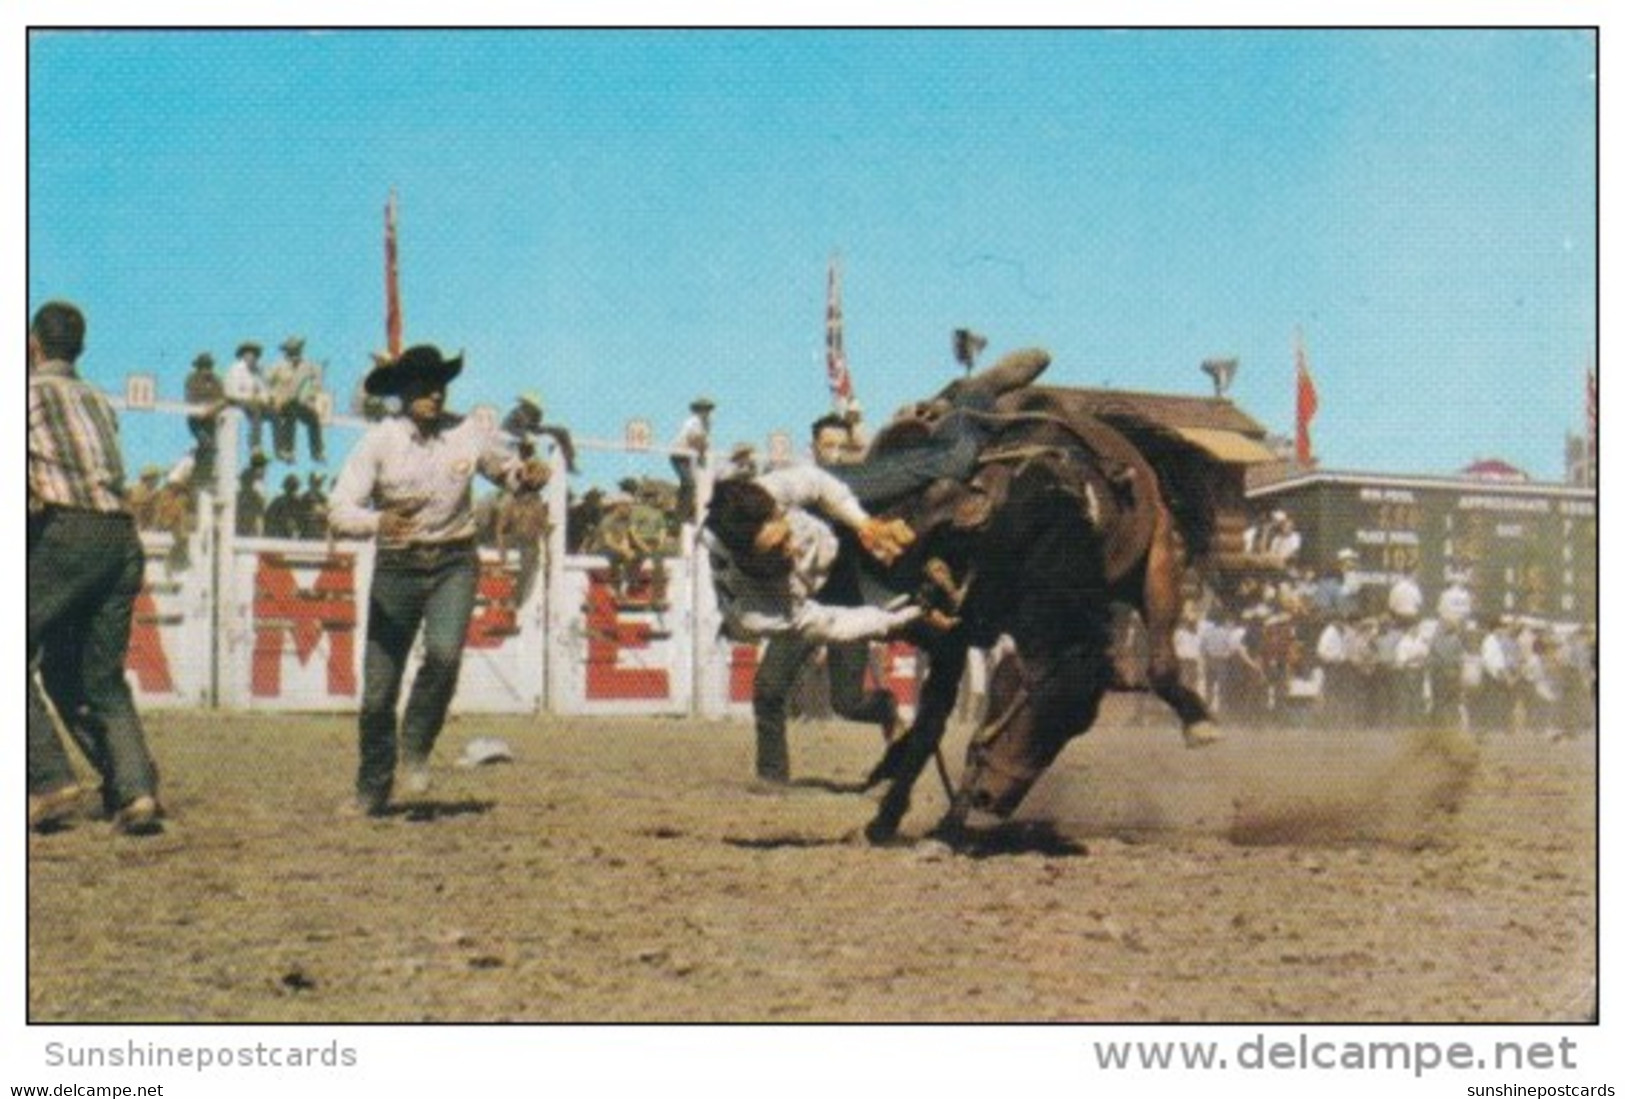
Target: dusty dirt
x,y
625,870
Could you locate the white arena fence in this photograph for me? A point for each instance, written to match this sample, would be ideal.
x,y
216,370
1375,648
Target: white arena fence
x,y
280,625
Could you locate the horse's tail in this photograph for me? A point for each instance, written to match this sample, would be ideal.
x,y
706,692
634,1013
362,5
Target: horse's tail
x,y
1184,470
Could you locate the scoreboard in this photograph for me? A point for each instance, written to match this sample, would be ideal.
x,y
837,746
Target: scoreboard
x,y
1529,548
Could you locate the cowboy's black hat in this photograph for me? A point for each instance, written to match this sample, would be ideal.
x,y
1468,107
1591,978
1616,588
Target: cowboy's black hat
x,y
421,363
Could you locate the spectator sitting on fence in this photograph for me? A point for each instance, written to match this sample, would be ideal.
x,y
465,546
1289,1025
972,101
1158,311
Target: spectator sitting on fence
x,y
245,389
295,384
285,516
632,535
206,396
251,497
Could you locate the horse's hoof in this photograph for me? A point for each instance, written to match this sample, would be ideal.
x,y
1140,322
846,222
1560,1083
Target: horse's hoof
x,y
1201,734
880,833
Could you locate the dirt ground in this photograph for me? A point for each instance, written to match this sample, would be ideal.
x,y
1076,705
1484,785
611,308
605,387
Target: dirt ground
x,y
626,870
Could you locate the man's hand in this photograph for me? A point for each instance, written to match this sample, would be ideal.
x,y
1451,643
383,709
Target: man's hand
x,y
885,539
394,526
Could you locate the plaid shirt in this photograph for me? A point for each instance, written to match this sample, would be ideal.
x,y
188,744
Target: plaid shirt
x,y
73,450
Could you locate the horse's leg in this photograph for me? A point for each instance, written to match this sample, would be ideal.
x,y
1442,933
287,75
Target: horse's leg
x,y
1160,606
907,756
1047,700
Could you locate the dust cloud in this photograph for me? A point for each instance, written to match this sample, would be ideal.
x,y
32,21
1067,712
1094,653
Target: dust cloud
x,y
1261,787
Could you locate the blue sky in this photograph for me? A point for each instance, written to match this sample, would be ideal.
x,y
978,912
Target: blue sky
x,y
623,220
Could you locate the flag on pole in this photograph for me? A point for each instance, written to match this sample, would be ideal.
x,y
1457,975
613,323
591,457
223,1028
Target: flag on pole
x,y
392,282
840,378
1308,405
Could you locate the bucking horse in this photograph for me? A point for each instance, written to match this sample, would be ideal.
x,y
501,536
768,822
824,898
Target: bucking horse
x,y
1066,512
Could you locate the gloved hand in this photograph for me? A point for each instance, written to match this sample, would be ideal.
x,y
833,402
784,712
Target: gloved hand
x,y
885,539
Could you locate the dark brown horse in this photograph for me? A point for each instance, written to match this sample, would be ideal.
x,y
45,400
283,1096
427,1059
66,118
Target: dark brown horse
x,y
1064,517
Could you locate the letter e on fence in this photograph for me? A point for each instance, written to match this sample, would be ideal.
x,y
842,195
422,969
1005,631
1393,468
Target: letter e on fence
x,y
607,635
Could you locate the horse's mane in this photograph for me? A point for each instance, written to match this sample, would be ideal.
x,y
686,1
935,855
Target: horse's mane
x,y
1184,470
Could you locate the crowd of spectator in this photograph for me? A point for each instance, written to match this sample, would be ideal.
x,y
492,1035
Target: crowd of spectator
x,y
1336,650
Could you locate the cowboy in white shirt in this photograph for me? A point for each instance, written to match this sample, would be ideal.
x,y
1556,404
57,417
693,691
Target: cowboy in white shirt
x,y
771,556
408,483
246,389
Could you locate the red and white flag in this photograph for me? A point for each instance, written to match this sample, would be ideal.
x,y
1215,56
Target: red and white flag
x,y
840,378
392,282
1308,405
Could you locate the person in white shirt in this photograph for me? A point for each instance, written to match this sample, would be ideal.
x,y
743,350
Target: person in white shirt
x,y
694,442
408,483
787,653
1405,599
771,555
245,389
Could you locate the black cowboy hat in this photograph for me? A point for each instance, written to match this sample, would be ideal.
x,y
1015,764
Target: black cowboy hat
x,y
249,345
423,362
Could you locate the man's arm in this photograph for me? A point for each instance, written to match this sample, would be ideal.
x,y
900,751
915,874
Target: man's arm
x,y
817,623
349,510
812,488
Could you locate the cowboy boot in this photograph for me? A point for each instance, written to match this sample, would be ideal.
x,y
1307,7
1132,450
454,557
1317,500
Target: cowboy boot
x,y
1017,369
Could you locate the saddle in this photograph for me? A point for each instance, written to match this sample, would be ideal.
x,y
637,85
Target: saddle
x,y
1107,474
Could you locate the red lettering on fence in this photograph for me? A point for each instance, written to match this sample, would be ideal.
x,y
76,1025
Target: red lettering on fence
x,y
607,635
900,667
146,656
741,672
283,608
496,617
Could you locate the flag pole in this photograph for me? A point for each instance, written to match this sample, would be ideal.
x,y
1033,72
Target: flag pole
x,y
392,281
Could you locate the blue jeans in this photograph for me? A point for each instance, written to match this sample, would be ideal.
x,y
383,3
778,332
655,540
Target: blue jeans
x,y
949,452
427,587
84,573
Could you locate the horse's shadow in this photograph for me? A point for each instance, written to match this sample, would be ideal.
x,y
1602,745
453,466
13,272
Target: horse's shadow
x,y
1019,837
418,812
1012,838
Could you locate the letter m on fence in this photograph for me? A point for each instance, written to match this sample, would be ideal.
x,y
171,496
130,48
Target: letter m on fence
x,y
285,611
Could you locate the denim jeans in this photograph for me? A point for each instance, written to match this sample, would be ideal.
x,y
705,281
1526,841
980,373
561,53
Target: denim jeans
x,y
427,587
285,431
780,665
84,573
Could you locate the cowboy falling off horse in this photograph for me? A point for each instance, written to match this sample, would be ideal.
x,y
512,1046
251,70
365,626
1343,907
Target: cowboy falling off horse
x,y
997,508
